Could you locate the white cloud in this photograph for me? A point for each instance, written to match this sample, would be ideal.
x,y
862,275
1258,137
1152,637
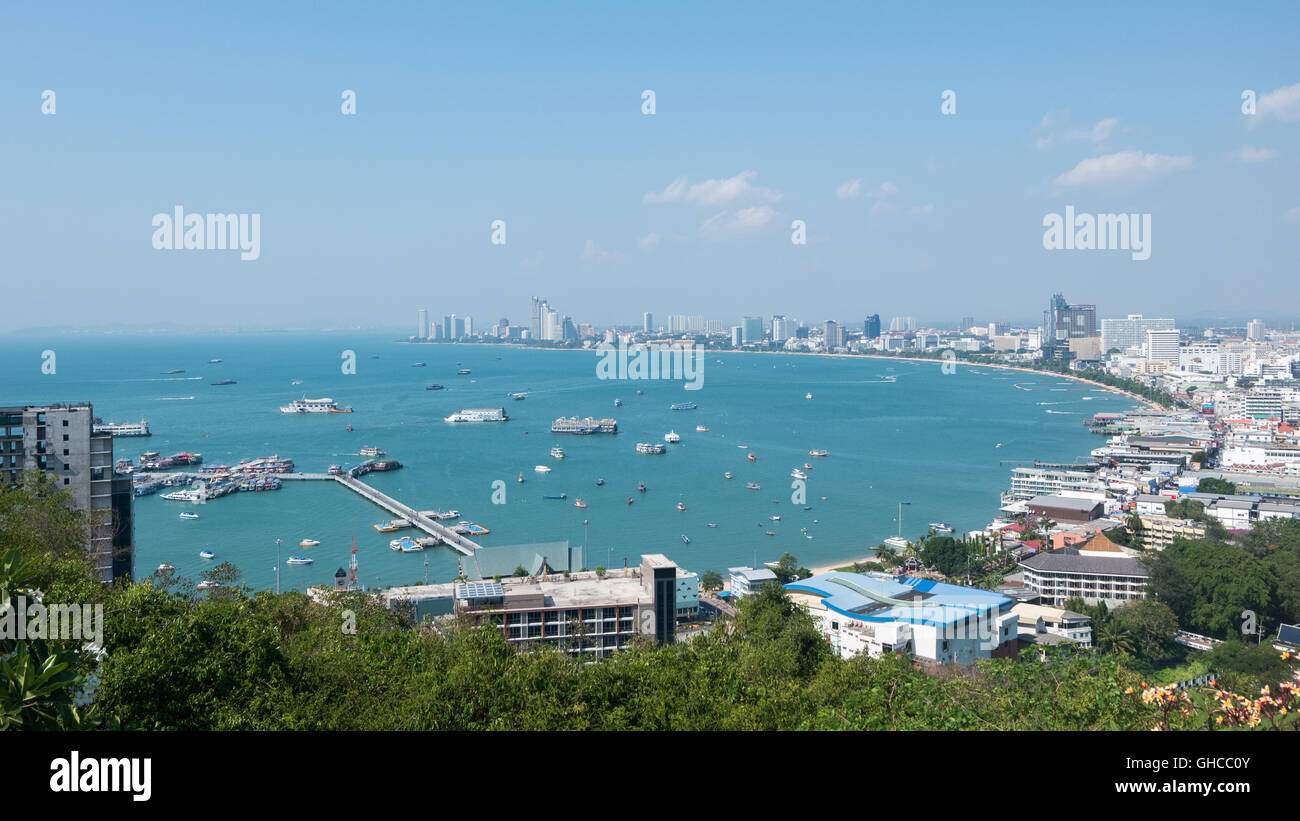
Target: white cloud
x,y
593,253
1250,154
714,192
648,241
1122,167
1054,125
849,190
1283,103
733,223
886,189
1098,132
928,208
882,207
1292,215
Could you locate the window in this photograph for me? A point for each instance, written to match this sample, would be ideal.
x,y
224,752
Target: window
x,y
65,424
65,450
65,437
65,479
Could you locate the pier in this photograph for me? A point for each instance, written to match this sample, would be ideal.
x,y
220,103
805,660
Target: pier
x,y
448,536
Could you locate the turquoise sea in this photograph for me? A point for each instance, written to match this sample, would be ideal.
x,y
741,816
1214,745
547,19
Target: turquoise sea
x,y
923,436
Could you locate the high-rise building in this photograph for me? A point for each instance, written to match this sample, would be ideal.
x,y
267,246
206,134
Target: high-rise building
x,y
467,327
1255,330
1123,334
1063,322
967,322
737,336
422,324
1162,346
647,322
831,335
902,323
752,330
871,327
780,328
535,308
60,441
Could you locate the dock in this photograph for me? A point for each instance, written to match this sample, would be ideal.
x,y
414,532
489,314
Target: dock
x,y
448,536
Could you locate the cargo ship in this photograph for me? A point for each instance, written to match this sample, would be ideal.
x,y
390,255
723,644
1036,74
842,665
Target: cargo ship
x,y
585,426
305,405
479,415
122,428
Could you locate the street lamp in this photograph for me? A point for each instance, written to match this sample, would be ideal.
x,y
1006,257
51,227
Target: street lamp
x,y
900,517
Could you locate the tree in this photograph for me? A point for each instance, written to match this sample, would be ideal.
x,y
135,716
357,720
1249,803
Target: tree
x,y
1247,667
1211,484
1152,626
1113,637
711,580
600,572
787,568
520,570
945,554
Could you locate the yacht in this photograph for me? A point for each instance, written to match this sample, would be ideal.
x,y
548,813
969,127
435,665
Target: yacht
x,y
557,452
672,437
701,428
681,506
164,567
299,560
305,405
207,584
727,474
646,447
188,515
941,527
206,554
542,469
819,453
309,543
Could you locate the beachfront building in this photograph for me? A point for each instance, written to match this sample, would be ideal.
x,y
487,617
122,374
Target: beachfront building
x,y
1096,570
688,594
59,441
935,622
748,580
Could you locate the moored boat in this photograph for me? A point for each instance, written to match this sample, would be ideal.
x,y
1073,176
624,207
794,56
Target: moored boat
x,y
300,560
309,543
206,554
189,515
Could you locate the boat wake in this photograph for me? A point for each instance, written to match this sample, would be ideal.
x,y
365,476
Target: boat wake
x,y
167,379
1051,403
173,398
1066,413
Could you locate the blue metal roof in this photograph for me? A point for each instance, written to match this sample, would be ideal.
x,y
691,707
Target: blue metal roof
x,y
908,599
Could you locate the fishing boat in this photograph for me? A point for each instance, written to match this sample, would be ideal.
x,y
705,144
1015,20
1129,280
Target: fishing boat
x,y
681,506
753,458
309,543
189,515
557,496
686,539
206,554
672,437
819,453
579,503
300,560
752,485
542,469
641,487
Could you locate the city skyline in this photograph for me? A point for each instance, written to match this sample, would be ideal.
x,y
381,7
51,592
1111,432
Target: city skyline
x,y
907,207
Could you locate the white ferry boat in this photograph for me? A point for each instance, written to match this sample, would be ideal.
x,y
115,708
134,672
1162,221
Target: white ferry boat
x,y
122,428
371,452
479,415
672,437
542,469
647,447
305,405
584,426
557,453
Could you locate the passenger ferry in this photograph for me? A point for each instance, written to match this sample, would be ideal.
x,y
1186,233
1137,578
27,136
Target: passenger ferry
x,y
557,453
479,415
542,469
122,428
646,447
371,452
584,427
305,405
672,437
941,527
684,406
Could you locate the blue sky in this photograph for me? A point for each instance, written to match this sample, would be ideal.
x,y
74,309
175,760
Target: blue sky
x,y
531,113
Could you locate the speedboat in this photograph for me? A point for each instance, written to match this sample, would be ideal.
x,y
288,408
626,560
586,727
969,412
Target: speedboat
x,y
207,584
309,543
672,437
819,453
463,372
417,364
769,533
629,500
600,482
579,503
641,487
711,524
941,527
686,539
557,496
206,554
701,428
189,515
775,518
753,458
521,478
164,567
542,469
299,560
752,485
727,474
434,387
618,403
807,396
681,506
807,465
518,396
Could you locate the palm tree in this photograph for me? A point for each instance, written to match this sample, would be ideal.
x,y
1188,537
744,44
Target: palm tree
x,y
1113,636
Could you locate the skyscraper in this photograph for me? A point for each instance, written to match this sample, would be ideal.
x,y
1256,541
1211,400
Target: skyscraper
x,y
831,335
647,322
871,327
1162,346
422,324
780,328
967,322
1123,334
1255,330
1063,322
752,330
535,312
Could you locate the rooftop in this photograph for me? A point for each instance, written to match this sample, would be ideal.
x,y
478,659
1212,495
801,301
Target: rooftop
x,y
875,598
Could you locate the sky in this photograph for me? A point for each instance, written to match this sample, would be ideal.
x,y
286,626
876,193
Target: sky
x,y
532,114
